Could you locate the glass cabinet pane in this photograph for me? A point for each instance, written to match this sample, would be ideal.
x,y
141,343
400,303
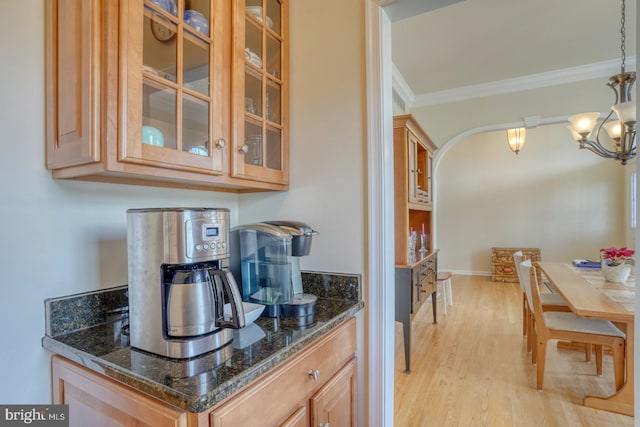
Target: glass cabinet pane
x,y
272,103
253,93
253,144
421,174
196,65
195,125
158,115
274,149
273,67
274,16
253,44
159,46
413,168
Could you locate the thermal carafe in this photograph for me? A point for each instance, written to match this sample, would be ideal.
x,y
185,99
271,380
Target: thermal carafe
x,y
179,281
266,256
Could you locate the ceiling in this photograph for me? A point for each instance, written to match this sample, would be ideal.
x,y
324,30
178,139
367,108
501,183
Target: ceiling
x,y
479,46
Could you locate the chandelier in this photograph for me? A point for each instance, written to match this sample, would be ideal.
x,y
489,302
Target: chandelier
x,y
621,129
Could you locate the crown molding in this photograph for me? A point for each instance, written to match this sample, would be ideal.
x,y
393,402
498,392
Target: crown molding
x,y
534,81
401,86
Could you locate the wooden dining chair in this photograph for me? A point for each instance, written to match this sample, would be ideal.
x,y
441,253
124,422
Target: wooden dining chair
x,y
556,325
550,302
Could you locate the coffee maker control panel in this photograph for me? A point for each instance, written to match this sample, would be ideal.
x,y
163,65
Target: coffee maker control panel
x,y
206,238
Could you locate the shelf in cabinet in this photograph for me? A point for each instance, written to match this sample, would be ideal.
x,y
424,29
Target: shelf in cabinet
x,y
420,206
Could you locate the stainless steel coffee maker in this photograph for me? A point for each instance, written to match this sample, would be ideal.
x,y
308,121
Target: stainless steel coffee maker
x,y
267,257
179,281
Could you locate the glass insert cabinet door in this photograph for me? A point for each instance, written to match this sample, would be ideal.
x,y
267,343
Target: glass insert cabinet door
x,y
173,75
260,90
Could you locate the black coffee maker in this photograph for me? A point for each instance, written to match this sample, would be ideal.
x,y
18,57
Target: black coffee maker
x,y
266,255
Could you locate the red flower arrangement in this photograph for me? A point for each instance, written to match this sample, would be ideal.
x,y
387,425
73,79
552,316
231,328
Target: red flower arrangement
x,y
616,256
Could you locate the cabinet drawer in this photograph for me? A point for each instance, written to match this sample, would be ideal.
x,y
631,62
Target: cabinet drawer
x,y
428,286
427,278
271,399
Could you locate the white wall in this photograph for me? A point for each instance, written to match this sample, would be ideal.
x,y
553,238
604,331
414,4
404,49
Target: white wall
x,y
568,203
62,237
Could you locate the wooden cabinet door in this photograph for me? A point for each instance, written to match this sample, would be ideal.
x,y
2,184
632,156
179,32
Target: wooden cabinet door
x,y
413,171
174,79
97,401
335,403
260,93
429,182
299,418
73,61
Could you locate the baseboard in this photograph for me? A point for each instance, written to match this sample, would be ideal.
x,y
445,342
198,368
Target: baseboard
x,y
467,272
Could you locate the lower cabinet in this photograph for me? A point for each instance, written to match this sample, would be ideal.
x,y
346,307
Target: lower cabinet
x,y
315,387
95,400
335,403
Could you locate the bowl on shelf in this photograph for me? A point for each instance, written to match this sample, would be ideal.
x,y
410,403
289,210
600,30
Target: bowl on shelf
x,y
197,21
172,8
168,5
152,136
256,11
252,57
200,150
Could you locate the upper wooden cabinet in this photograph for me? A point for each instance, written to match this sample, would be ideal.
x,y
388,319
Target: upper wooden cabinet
x,y
261,91
155,92
413,154
413,185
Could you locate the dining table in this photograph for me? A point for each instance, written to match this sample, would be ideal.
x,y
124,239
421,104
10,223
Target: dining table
x,y
589,295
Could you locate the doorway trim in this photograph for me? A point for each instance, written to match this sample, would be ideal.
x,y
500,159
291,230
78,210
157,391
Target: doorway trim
x,y
380,317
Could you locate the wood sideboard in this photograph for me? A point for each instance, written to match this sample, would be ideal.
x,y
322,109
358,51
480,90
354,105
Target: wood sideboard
x,y
415,283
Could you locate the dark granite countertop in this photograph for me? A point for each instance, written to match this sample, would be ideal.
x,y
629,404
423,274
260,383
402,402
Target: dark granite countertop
x,y
87,329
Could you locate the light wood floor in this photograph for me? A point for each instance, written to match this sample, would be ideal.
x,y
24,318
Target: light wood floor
x,y
472,369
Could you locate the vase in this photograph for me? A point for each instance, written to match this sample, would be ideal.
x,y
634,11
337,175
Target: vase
x,y
616,273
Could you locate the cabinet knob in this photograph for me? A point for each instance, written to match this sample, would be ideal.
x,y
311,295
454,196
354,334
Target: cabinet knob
x,y
314,373
244,148
221,143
